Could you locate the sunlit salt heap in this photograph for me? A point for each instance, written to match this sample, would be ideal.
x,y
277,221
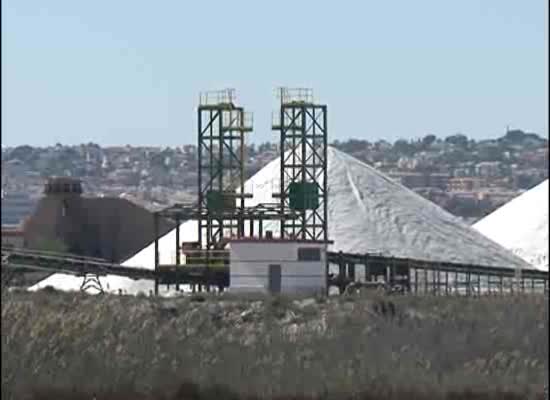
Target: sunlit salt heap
x,y
368,212
521,225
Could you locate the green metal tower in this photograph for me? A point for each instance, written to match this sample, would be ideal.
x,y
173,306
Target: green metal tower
x,y
222,126
302,125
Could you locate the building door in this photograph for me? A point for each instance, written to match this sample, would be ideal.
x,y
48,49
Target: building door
x,y
274,278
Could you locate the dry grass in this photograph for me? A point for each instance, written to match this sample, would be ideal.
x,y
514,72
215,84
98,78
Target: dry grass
x,y
366,348
193,392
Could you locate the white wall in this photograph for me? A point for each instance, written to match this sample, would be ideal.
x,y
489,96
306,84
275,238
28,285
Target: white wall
x,y
250,267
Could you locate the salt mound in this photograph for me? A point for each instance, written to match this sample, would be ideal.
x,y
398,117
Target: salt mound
x,y
521,225
367,212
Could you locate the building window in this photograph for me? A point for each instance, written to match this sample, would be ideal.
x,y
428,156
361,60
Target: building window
x,y
309,254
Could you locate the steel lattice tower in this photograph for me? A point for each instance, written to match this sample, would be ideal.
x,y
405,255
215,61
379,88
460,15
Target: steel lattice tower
x,y
221,156
303,170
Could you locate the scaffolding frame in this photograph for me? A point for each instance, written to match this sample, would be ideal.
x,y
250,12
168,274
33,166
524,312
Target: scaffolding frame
x,y
302,126
222,126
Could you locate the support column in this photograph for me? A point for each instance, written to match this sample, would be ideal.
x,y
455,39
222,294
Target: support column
x,y
351,271
261,228
408,284
416,281
434,283
156,233
393,272
468,282
327,275
425,279
341,273
368,276
241,226
439,281
178,251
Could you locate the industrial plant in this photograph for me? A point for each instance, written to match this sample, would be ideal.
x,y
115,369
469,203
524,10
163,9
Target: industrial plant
x,y
314,221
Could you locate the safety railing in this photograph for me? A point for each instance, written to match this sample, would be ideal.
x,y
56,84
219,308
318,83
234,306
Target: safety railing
x,y
294,95
237,120
225,96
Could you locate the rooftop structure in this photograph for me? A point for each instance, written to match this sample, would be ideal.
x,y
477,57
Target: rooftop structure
x,y
63,186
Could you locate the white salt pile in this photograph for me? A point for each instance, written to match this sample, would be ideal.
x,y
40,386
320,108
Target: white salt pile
x,y
521,225
368,212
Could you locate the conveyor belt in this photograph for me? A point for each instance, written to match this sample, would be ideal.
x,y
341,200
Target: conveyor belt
x,y
68,264
24,259
381,261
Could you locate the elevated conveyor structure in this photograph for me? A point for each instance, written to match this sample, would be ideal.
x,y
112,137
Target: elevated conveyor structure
x,y
433,278
414,276
91,269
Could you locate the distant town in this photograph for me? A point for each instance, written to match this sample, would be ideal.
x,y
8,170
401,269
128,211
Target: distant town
x,y
468,178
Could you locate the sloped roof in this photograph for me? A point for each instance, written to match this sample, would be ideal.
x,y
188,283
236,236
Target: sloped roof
x,y
110,228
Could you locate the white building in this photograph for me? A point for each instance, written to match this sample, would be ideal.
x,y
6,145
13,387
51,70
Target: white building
x,y
278,266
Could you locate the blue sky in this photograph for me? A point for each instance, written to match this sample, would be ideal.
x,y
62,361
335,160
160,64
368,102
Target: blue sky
x,y
130,72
